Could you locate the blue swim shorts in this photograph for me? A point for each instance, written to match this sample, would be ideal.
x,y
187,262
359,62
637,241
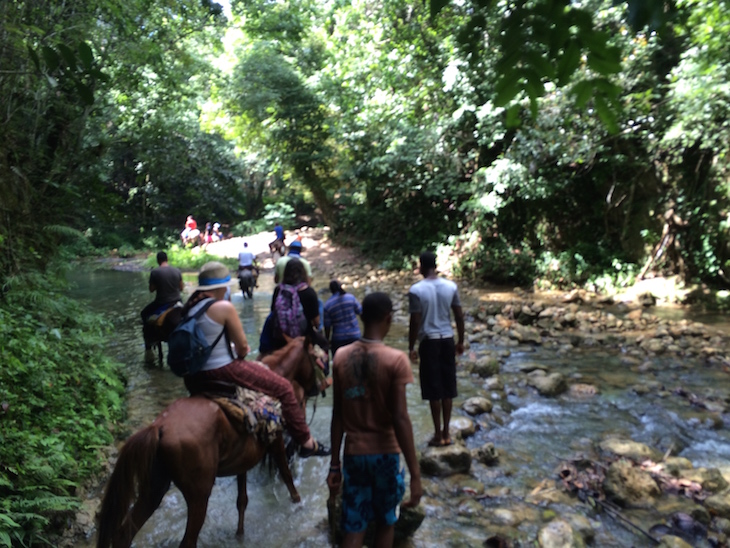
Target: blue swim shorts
x,y
373,487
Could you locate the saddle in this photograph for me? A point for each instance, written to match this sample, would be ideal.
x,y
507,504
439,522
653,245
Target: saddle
x,y
248,411
159,319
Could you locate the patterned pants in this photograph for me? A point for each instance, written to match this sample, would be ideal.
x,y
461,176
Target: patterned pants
x,y
262,379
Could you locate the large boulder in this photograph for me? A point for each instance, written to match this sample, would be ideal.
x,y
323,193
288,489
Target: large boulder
x,y
630,486
445,461
552,384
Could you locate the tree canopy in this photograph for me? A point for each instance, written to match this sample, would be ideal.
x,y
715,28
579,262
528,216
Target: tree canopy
x,y
539,138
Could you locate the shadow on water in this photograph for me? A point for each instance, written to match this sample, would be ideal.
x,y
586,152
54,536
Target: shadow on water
x,y
533,434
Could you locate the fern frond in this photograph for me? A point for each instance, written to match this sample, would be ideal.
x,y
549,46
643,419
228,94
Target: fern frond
x,y
61,230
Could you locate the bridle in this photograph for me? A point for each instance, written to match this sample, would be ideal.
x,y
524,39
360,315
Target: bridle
x,y
318,375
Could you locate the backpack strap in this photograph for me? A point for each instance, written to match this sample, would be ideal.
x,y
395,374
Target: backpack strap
x,y
200,313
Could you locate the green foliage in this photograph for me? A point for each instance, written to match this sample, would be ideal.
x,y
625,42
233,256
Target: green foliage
x,y
279,212
495,260
60,399
189,258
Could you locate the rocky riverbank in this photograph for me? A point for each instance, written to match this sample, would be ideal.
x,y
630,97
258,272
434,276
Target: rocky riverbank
x,y
660,497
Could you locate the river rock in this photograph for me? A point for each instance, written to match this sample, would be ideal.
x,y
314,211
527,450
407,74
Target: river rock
x,y
674,465
462,427
722,525
630,449
486,454
529,367
462,484
709,478
582,390
559,534
486,366
552,384
719,505
477,405
581,525
492,384
670,541
628,485
445,461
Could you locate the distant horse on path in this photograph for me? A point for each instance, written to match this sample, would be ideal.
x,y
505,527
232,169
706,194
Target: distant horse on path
x,y
190,444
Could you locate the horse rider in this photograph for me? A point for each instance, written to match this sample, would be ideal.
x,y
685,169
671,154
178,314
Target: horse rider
x,y
295,250
166,282
247,261
213,282
190,231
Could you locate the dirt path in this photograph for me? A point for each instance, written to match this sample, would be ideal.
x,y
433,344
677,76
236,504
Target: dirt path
x,y
332,261
318,248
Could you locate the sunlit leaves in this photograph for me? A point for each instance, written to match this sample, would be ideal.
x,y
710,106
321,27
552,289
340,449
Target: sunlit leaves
x,y
548,42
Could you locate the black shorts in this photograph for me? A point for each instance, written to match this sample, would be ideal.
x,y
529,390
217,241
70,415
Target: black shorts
x,y
438,369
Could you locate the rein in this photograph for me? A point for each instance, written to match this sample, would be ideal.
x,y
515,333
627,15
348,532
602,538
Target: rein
x,y
316,373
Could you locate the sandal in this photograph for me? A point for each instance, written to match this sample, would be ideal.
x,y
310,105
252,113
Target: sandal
x,y
319,450
433,442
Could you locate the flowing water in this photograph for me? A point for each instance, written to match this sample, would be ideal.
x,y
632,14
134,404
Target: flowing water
x,y
533,434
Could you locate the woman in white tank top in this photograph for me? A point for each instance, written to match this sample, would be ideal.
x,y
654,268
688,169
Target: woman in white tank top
x,y
213,282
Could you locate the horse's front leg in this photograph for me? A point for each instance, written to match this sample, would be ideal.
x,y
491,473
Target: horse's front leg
x,y
241,502
278,451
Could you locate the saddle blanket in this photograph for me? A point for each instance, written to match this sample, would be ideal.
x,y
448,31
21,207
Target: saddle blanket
x,y
253,413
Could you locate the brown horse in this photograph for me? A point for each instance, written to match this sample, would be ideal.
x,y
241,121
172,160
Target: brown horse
x,y
157,330
190,444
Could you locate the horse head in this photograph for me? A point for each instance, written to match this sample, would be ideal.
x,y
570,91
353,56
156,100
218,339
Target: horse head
x,y
301,362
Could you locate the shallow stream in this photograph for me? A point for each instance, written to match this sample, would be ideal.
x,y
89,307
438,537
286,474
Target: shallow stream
x,y
532,433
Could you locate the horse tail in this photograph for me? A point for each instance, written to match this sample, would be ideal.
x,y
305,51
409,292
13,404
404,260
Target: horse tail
x,y
131,475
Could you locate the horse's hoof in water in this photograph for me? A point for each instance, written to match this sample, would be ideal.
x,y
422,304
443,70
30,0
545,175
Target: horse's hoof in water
x,y
150,358
296,498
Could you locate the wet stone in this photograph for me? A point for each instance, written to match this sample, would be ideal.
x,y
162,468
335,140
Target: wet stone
x,y
670,541
486,454
559,534
582,525
549,385
629,449
709,478
462,427
630,486
445,461
477,405
493,383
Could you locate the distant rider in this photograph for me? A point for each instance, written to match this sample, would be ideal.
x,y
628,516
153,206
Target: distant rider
x,y
190,231
278,243
167,282
247,261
